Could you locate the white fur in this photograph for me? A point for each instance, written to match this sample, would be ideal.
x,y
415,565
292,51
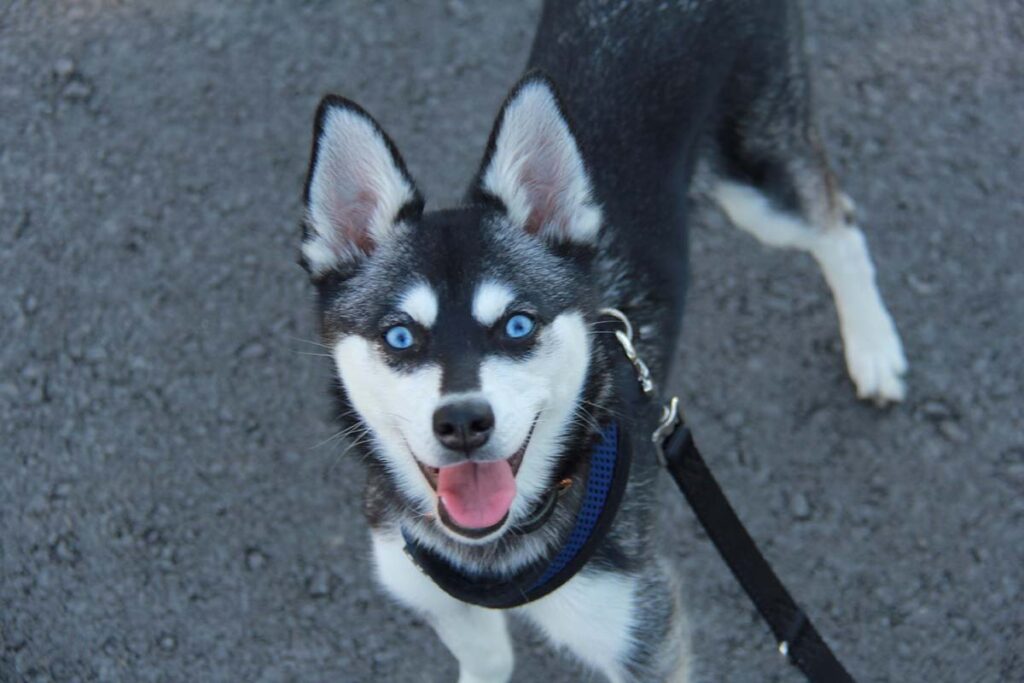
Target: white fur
x,y
874,353
420,303
537,170
477,637
547,387
593,615
355,192
319,255
490,301
751,211
397,407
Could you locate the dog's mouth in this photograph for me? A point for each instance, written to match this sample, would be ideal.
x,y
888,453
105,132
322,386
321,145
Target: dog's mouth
x,y
474,498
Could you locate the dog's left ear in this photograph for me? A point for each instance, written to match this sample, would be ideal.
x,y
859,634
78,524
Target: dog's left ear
x,y
534,167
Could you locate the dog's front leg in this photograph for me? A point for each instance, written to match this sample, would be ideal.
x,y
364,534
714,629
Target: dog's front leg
x,y
630,627
476,636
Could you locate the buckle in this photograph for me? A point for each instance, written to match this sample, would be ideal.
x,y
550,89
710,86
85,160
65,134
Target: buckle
x,y
671,418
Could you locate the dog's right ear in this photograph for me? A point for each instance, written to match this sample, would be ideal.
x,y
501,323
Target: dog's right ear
x,y
357,190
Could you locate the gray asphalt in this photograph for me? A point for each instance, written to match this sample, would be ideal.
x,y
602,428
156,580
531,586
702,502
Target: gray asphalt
x,y
172,504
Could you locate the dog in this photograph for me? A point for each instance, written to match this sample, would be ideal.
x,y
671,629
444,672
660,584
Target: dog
x,y
465,339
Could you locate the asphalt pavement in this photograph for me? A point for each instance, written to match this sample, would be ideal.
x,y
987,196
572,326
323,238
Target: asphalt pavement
x,y
174,502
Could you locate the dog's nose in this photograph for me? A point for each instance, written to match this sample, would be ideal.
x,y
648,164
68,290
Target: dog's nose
x,y
464,424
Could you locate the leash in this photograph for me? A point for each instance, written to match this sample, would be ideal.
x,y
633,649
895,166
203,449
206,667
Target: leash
x,y
798,639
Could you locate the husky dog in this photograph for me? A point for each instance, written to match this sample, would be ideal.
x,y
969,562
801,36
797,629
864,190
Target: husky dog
x,y
466,339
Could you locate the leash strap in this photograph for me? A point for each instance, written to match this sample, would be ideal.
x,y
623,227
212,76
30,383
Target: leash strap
x,y
798,640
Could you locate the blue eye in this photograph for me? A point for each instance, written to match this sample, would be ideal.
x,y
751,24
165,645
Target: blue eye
x,y
399,337
519,326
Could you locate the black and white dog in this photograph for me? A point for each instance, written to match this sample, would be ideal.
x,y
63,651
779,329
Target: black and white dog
x,y
465,340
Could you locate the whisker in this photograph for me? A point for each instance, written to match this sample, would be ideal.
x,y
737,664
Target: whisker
x,y
396,416
590,403
349,412
364,438
593,425
587,418
309,341
338,435
604,409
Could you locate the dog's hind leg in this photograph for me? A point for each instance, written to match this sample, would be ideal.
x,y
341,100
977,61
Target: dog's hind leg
x,y
774,182
874,353
477,637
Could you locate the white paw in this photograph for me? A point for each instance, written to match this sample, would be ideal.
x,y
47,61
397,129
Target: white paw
x,y
875,360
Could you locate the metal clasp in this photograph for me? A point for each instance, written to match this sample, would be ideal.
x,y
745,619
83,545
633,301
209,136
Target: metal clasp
x,y
671,418
625,338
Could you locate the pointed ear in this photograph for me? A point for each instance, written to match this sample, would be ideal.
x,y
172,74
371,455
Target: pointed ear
x,y
357,189
533,165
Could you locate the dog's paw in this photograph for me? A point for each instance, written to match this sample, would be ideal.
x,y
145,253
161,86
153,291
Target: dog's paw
x,y
875,359
499,670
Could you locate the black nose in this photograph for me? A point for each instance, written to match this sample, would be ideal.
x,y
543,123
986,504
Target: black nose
x,y
464,424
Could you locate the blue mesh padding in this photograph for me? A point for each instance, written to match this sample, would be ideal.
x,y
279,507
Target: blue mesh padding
x,y
599,481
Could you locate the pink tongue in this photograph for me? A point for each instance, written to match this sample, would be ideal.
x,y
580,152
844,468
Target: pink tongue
x,y
477,495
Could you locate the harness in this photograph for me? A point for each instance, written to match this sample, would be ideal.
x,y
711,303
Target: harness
x,y
608,467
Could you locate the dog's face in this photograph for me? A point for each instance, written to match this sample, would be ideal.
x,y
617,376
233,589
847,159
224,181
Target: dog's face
x,y
461,338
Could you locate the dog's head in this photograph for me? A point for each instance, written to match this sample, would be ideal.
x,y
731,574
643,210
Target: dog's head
x,y
461,338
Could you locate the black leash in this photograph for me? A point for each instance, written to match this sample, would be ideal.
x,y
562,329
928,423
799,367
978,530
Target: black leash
x,y
798,640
